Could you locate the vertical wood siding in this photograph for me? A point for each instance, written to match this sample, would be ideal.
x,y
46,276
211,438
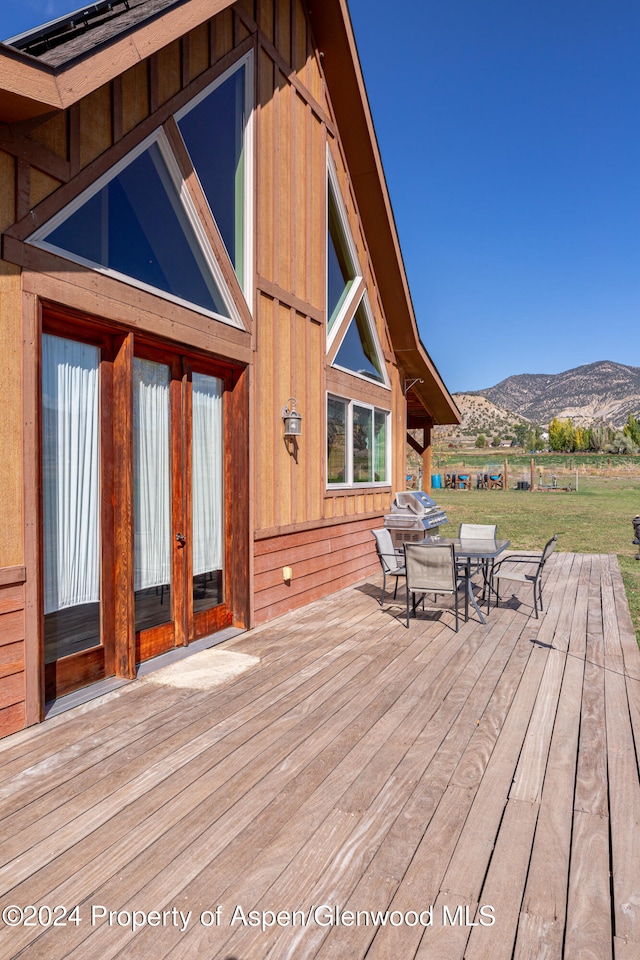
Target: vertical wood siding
x,y
324,535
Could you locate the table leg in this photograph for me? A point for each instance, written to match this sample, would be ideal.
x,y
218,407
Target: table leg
x,y
471,597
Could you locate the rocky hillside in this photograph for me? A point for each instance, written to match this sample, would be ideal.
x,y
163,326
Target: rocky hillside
x,y
479,415
597,391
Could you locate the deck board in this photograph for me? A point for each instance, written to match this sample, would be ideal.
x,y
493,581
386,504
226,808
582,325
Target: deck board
x,y
361,765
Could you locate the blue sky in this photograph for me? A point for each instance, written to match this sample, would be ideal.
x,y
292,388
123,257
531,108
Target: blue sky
x,y
510,140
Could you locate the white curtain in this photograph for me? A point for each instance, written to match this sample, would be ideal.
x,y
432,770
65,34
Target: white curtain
x,y
207,473
71,472
151,473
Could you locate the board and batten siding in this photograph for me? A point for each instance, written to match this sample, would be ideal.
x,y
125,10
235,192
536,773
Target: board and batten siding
x,y
325,536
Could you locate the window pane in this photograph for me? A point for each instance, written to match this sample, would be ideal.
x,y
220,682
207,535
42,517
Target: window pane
x,y
362,445
71,495
152,493
336,441
136,226
207,469
357,351
380,446
213,132
340,270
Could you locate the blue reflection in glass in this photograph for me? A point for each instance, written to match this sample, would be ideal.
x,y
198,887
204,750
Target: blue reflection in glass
x,y
213,132
136,226
357,351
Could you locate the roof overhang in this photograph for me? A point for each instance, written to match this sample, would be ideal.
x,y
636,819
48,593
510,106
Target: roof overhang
x,y
30,88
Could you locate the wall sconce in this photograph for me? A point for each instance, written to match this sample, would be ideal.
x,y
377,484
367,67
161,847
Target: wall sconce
x,y
292,419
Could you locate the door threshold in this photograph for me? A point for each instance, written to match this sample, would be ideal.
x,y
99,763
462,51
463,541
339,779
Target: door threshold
x,y
85,694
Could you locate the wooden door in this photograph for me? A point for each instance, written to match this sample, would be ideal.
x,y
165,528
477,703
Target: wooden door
x,y
77,509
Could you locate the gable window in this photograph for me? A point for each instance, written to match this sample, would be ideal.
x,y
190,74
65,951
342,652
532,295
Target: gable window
x,y
217,133
357,443
343,270
359,351
139,223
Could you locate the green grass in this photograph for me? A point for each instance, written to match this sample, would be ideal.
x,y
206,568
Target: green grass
x,y
595,519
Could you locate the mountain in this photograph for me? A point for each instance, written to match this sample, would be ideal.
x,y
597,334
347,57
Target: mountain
x,y
597,391
479,415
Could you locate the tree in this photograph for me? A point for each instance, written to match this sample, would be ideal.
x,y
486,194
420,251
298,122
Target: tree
x,y
481,440
622,444
562,436
496,442
520,431
631,429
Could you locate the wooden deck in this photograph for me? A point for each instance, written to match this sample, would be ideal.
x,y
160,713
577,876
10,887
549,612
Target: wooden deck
x,y
360,767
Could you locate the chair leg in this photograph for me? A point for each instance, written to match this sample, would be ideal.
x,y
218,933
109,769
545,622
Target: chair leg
x,y
384,584
395,592
407,608
456,598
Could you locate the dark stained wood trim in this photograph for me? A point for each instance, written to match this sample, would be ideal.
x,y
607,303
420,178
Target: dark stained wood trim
x,y
125,660
33,616
23,191
12,575
241,505
419,449
74,135
34,153
117,109
185,59
246,19
292,77
276,292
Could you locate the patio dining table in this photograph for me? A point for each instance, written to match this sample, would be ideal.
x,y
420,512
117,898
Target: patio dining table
x,y
469,550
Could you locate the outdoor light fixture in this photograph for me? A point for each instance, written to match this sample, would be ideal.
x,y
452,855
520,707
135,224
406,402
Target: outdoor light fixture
x,y
292,419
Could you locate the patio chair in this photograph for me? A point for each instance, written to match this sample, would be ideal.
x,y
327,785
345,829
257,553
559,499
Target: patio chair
x,y
478,531
389,560
525,568
430,568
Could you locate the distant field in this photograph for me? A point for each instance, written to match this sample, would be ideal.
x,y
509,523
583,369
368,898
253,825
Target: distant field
x,y
595,519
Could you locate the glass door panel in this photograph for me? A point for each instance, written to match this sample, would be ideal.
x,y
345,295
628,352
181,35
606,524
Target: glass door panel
x,y
152,494
71,496
207,491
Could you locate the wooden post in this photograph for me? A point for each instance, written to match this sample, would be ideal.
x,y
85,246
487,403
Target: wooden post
x,y
426,460
533,474
505,475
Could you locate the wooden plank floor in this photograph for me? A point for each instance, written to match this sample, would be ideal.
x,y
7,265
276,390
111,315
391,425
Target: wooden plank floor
x,y
363,791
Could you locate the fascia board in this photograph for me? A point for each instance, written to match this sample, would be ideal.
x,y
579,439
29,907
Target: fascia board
x,y
29,88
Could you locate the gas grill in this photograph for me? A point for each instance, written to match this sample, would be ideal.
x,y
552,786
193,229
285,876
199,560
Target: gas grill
x,y
414,516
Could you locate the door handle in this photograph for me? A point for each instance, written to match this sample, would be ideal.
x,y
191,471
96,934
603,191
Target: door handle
x,y
180,537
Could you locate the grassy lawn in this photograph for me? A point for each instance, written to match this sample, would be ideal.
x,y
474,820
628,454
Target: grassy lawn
x,y
595,519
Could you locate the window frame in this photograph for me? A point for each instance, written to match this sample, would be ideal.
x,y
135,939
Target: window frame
x,y
245,63
349,482
333,192
39,237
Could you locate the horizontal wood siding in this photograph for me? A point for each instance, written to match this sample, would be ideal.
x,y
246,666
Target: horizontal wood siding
x,y
12,639
322,560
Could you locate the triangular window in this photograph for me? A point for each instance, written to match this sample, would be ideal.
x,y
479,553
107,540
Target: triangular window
x,y
343,271
360,351
214,128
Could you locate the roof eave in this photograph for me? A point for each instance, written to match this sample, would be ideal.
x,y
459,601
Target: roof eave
x,y
29,88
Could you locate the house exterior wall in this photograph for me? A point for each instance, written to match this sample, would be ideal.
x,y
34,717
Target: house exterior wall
x,y
292,518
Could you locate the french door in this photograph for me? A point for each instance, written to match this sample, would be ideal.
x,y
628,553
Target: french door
x,y
168,434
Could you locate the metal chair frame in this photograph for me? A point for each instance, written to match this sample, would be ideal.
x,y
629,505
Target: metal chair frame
x,y
534,578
